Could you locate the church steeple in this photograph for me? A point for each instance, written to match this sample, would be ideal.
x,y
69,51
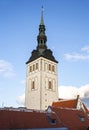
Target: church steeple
x,y
41,74
41,38
41,49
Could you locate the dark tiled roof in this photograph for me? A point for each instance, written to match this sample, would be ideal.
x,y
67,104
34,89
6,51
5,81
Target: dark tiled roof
x,y
46,54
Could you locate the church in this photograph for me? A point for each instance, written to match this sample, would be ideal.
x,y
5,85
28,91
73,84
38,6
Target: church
x,y
41,75
43,109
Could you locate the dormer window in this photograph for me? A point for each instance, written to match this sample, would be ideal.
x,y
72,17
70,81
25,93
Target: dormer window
x,y
51,120
81,118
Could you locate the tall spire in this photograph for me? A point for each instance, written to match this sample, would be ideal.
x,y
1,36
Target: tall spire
x,y
42,19
41,38
41,49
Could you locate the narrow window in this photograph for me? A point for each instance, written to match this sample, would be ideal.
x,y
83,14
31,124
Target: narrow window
x,y
33,85
30,68
45,106
33,67
50,85
46,67
36,66
49,67
41,41
53,69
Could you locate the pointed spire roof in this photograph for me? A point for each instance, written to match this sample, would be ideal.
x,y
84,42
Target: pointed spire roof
x,y
42,38
42,19
41,49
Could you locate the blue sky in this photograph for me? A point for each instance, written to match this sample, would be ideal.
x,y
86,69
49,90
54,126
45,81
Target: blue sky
x,y
67,30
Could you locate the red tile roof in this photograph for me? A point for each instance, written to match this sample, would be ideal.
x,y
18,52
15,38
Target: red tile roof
x,y
70,104
72,114
65,103
73,119
54,117
22,120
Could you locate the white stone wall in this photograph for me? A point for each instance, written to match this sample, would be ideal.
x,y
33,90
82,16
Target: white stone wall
x,y
41,84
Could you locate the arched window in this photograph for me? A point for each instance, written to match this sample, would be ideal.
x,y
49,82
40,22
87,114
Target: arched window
x,y
49,67
33,85
36,66
30,68
41,41
50,85
33,67
53,68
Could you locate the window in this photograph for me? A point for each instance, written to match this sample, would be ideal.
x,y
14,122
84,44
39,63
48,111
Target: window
x,y
41,41
51,120
53,69
30,68
50,85
45,106
49,67
46,67
36,66
33,67
81,118
33,85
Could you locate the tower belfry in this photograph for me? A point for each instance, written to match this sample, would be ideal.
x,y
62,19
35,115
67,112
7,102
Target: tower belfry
x,y
41,74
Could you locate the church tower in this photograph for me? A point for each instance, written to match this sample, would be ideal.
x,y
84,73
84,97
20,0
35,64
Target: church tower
x,y
41,74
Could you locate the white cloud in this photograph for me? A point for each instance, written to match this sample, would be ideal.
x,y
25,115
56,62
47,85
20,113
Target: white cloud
x,y
21,100
79,56
67,92
6,69
70,92
86,49
76,56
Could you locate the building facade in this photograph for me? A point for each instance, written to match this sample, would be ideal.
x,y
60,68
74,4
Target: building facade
x,y
41,74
